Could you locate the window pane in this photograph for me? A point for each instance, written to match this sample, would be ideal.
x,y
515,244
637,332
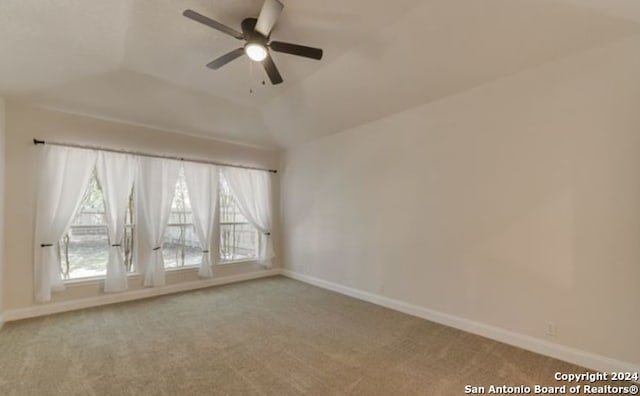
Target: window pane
x,y
127,246
84,250
238,241
238,238
91,210
181,245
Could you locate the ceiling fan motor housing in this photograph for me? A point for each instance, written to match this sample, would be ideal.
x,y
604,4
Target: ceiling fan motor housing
x,y
250,33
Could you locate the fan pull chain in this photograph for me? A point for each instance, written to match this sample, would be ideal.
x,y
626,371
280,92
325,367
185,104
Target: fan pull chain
x,y
251,77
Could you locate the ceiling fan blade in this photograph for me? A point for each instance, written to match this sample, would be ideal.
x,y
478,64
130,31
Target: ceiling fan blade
x,y
211,23
295,49
226,58
269,14
272,70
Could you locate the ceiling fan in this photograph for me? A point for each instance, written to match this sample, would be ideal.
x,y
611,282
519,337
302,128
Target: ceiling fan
x,y
256,33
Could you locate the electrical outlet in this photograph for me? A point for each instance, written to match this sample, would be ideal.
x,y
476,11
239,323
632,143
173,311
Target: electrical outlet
x,y
550,329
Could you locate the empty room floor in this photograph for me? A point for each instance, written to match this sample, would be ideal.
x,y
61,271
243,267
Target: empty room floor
x,y
273,336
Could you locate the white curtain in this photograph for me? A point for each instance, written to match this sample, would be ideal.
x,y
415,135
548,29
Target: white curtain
x,y
115,173
202,184
64,177
155,187
252,191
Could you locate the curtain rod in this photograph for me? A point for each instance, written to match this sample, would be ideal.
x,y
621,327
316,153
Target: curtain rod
x,y
111,150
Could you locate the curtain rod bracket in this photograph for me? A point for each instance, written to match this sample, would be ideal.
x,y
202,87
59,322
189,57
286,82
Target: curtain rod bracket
x,y
36,141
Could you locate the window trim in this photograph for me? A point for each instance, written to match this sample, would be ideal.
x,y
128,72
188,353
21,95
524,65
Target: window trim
x,y
238,261
97,280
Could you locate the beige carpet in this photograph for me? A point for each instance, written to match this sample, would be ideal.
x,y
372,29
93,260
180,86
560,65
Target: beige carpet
x,y
273,336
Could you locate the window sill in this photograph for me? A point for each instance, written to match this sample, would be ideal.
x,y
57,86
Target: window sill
x,y
98,280
239,261
91,280
183,268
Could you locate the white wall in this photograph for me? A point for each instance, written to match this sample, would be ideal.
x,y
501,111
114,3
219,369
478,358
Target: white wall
x,y
25,123
512,204
2,166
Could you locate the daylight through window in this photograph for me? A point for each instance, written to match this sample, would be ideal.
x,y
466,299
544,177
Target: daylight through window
x,y
84,249
238,238
181,245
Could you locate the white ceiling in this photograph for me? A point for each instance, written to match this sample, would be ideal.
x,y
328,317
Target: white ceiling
x,y
141,61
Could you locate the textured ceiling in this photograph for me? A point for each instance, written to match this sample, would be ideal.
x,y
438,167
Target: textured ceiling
x,y
141,61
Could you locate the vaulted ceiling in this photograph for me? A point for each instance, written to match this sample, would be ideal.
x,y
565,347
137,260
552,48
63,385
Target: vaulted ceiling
x,y
141,61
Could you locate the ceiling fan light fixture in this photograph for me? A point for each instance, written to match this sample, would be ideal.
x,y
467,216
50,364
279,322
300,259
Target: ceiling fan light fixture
x,y
255,51
256,33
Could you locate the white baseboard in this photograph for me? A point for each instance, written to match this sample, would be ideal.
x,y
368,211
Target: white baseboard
x,y
64,306
561,352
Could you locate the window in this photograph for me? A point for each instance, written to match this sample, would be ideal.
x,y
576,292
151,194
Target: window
x,y
181,245
84,249
72,235
238,238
